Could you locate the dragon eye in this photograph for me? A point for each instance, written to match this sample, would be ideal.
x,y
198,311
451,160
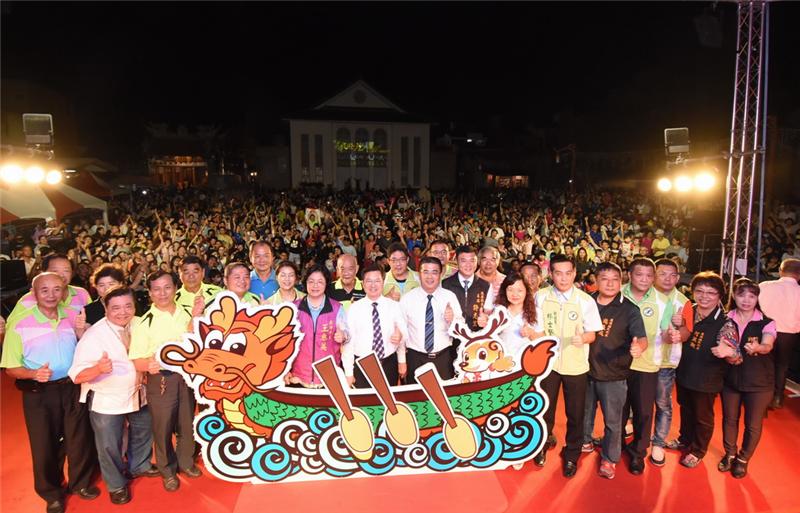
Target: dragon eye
x,y
214,340
235,343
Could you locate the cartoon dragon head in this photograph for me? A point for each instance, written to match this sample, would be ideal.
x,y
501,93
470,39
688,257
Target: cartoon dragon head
x,y
237,352
483,351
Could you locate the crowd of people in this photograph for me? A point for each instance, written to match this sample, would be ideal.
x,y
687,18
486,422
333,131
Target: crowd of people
x,y
389,272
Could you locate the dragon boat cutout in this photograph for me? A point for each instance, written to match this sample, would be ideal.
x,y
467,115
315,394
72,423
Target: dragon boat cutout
x,y
258,430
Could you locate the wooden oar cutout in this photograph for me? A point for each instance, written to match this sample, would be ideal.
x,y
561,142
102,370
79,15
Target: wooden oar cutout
x,y
398,417
457,430
353,423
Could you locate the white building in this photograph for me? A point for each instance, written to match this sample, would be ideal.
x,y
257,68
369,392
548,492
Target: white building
x,y
361,138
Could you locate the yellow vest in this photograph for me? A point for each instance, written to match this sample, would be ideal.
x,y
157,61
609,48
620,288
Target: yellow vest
x,y
561,320
670,353
412,282
648,306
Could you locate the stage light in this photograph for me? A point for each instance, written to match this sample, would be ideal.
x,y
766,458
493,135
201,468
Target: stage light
x,y
53,176
11,173
704,181
34,174
665,185
683,184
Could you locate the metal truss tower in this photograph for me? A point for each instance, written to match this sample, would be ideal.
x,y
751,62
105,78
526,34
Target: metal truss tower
x,y
748,141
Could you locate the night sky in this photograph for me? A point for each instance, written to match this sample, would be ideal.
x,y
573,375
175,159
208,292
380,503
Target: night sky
x,y
610,76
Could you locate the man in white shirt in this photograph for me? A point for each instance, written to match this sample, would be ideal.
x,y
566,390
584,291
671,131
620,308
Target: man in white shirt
x,y
113,390
376,324
780,300
429,311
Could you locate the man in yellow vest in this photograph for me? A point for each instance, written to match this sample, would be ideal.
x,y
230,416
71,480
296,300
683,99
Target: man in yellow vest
x,y
572,316
643,379
400,279
191,272
675,316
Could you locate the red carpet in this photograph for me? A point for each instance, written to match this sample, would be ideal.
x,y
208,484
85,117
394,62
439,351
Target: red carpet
x,y
772,485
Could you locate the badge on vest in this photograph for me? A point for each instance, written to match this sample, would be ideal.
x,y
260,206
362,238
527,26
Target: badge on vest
x,y
572,316
648,312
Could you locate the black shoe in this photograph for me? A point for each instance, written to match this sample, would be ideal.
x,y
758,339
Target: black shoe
x,y
777,403
171,483
55,506
193,472
725,463
738,468
637,465
89,493
540,459
551,442
121,496
569,468
150,472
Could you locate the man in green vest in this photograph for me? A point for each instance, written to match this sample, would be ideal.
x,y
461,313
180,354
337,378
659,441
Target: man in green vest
x,y
572,316
643,379
674,330
191,272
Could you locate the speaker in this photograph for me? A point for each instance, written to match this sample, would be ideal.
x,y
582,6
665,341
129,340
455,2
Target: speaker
x,y
705,251
38,128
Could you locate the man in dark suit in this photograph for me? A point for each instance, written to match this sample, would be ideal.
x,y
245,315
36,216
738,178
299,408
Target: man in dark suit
x,y
470,290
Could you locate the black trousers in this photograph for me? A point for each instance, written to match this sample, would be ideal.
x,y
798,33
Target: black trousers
x,y
755,407
389,365
697,419
58,426
172,413
785,345
641,399
574,405
443,363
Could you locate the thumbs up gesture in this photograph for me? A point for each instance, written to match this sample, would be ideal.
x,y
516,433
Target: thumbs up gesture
x,y
577,340
448,313
338,336
43,373
636,348
672,336
198,306
527,331
677,318
80,321
396,337
262,300
152,366
483,319
104,364
394,293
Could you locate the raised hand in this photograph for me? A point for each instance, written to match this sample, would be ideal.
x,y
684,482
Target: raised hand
x,y
394,293
152,366
527,331
483,319
672,336
722,351
338,336
43,373
80,321
577,340
636,348
677,318
104,364
448,314
199,305
397,336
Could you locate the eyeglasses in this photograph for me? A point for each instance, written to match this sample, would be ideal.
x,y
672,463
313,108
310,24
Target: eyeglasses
x,y
701,292
398,260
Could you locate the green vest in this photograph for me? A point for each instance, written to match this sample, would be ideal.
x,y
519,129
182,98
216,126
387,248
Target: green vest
x,y
561,320
412,282
648,306
670,354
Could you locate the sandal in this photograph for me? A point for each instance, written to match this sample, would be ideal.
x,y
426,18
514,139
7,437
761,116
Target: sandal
x,y
690,461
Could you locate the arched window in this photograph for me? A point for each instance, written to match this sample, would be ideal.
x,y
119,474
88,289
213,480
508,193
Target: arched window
x,y
361,147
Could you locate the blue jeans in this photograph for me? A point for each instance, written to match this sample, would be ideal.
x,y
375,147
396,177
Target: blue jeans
x,y
611,395
666,382
108,437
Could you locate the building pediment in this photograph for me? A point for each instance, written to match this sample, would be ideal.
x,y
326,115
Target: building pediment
x,y
358,95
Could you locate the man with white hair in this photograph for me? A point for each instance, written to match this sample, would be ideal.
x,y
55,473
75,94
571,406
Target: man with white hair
x,y
348,287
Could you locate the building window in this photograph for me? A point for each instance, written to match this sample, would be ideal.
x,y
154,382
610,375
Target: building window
x,y
417,160
360,154
318,160
305,160
404,161
343,147
379,150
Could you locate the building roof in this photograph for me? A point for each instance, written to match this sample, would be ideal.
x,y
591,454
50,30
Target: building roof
x,y
357,114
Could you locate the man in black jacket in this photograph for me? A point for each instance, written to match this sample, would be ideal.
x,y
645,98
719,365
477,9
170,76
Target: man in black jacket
x,y
470,290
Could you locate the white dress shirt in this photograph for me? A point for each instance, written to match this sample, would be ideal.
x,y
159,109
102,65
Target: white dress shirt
x,y
414,305
116,393
359,322
780,301
513,340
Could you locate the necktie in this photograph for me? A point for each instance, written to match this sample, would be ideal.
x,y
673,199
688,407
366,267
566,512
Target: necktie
x,y
429,325
377,336
466,288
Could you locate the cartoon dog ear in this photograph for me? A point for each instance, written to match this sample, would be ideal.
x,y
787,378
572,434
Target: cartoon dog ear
x,y
225,315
